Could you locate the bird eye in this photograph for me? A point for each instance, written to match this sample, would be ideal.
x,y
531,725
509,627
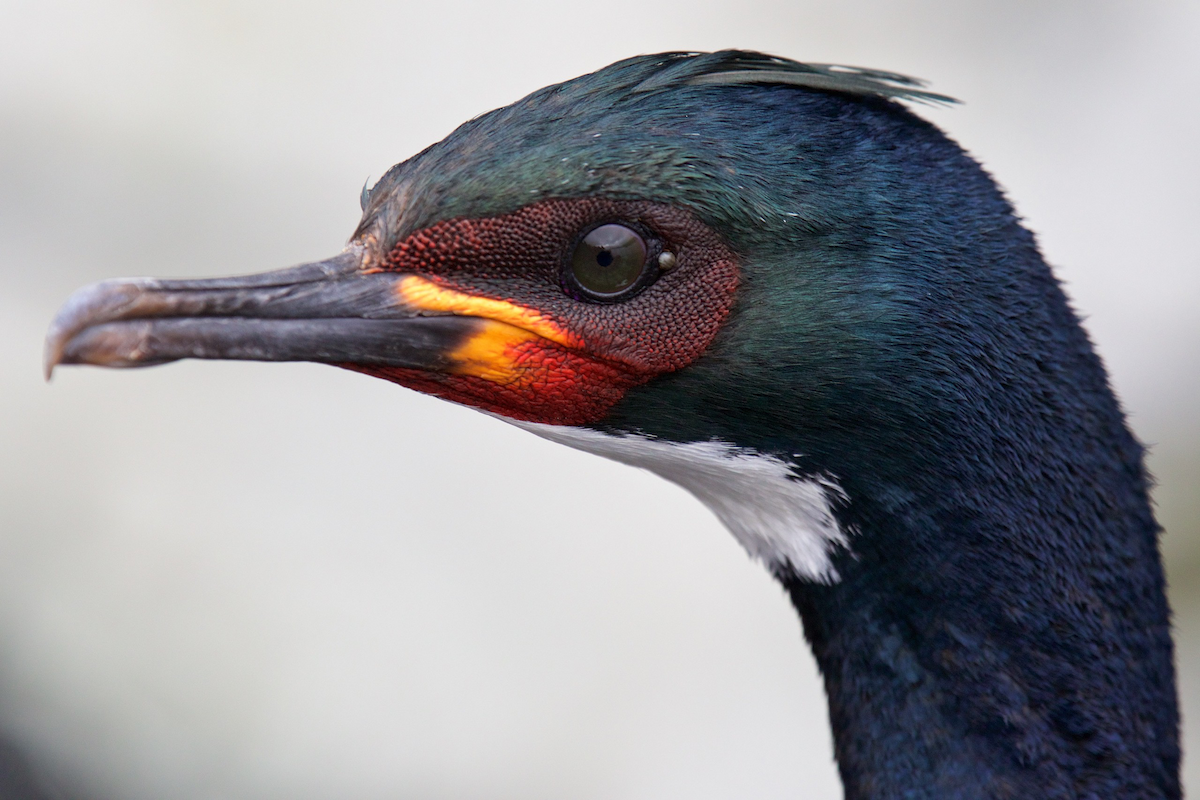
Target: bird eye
x,y
607,263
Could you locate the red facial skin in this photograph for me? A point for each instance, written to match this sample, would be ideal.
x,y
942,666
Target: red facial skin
x,y
600,350
569,389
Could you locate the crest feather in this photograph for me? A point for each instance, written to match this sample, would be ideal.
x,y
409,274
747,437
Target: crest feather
x,y
742,67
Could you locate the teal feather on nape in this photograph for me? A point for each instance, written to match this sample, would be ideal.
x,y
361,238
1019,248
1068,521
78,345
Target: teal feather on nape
x,y
741,67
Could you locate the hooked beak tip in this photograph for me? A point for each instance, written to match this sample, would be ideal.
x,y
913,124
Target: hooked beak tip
x,y
51,352
91,304
80,334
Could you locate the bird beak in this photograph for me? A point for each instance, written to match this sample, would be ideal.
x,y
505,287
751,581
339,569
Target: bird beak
x,y
328,311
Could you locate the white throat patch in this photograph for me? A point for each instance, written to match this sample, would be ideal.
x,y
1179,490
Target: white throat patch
x,y
779,519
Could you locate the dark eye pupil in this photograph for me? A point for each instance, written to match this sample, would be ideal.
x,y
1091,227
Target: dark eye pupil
x,y
609,260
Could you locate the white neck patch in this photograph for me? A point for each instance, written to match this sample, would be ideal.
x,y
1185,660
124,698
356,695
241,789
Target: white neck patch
x,y
781,520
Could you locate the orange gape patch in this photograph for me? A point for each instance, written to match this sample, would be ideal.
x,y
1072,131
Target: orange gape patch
x,y
427,295
509,347
496,354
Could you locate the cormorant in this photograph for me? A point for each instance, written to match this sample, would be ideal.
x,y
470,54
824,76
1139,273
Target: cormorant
x,y
776,286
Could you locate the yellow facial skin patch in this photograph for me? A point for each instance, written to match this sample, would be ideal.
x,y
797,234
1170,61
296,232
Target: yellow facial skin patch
x,y
428,296
492,352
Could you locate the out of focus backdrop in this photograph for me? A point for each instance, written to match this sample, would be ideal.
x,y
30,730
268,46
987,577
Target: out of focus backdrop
x,y
287,581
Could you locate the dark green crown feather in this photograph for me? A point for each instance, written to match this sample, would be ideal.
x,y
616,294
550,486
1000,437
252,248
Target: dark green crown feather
x,y
602,133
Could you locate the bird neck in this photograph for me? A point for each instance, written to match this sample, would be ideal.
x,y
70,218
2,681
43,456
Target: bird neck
x,y
965,658
996,622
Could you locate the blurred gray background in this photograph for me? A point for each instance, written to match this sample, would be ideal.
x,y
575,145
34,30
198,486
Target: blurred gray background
x,y
289,581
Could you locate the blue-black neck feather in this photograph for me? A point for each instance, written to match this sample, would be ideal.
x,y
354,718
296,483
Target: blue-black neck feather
x,y
1000,628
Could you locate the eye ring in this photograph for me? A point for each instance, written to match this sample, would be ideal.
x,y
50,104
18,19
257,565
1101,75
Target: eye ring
x,y
610,262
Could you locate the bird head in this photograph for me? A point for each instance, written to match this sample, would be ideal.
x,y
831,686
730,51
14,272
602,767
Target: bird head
x,y
681,248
